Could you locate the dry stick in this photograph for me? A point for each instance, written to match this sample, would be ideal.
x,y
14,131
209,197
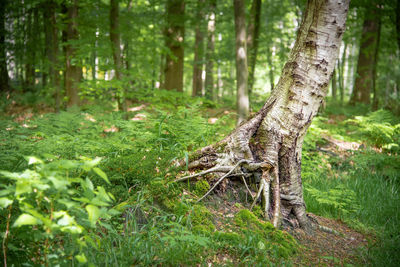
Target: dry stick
x,y
258,193
277,197
244,181
223,177
6,236
214,169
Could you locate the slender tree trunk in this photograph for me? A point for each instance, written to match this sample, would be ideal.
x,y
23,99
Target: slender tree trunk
x,y
270,143
4,79
116,50
364,78
198,51
209,82
49,15
29,54
374,69
398,23
271,69
334,85
72,70
341,74
174,40
241,61
253,31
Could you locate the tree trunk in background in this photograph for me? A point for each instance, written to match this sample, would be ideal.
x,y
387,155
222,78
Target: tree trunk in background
x,y
73,72
116,50
271,69
374,69
198,51
4,79
209,82
334,85
29,54
270,143
398,23
253,31
241,61
174,41
364,78
49,16
341,64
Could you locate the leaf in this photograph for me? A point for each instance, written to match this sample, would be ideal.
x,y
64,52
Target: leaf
x,y
81,258
23,187
101,174
34,160
59,184
94,214
26,219
5,202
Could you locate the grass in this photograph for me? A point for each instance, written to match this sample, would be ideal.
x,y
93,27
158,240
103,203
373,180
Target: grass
x,y
162,226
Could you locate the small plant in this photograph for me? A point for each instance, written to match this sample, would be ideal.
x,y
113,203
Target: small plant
x,y
53,205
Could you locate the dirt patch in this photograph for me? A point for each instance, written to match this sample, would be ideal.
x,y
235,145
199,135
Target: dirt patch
x,y
328,249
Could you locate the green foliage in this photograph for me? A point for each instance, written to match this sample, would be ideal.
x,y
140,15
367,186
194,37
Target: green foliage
x,y
362,189
201,187
49,202
380,129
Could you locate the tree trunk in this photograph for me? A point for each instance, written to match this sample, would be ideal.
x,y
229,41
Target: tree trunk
x,y
72,70
49,15
209,82
174,40
4,79
364,78
398,23
341,64
29,54
270,143
116,50
334,85
198,51
271,69
253,31
374,69
241,61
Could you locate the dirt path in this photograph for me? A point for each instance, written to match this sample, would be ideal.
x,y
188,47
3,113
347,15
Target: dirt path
x,y
327,249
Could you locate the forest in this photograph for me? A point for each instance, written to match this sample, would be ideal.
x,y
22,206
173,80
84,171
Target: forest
x,y
200,132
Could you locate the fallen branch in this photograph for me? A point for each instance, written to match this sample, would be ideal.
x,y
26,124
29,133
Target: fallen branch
x,y
214,169
223,177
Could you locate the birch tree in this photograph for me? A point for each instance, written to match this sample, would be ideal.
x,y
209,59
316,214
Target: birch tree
x,y
269,144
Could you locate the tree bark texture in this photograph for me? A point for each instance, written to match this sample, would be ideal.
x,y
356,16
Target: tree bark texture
x,y
269,144
365,66
4,79
197,81
174,40
241,61
253,32
209,82
73,71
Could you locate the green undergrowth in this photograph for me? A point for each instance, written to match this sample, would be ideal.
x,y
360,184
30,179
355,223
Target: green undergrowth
x,y
360,187
155,221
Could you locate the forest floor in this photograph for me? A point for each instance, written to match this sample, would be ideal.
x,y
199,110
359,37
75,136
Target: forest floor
x,y
350,173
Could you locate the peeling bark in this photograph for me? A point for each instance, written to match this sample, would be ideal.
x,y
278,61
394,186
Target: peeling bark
x,y
270,143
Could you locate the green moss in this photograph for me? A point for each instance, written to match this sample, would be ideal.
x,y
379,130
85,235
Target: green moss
x,y
264,232
201,216
232,239
258,212
201,187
